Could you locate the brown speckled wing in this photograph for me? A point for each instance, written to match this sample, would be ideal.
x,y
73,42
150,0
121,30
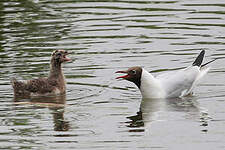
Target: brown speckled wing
x,y
41,85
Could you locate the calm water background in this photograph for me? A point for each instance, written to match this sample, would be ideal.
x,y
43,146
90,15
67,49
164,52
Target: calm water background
x,y
104,36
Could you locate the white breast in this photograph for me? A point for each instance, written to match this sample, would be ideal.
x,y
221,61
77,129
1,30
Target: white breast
x,y
150,86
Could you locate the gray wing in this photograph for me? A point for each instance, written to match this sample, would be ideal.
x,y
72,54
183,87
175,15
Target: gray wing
x,y
179,83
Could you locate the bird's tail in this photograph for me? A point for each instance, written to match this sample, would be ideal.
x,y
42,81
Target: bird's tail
x,y
17,85
208,62
202,73
13,81
198,61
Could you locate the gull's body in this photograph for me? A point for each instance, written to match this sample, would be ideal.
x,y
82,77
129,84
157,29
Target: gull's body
x,y
175,84
167,85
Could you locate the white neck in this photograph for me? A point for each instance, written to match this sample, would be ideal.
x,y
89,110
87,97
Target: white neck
x,y
150,86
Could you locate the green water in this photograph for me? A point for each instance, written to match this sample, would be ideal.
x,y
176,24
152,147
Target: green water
x,y
100,112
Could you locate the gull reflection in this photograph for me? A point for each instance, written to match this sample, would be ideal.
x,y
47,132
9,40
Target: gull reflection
x,y
167,109
54,103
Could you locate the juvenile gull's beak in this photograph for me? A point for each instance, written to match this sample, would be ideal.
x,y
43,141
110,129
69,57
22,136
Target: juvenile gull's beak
x,y
65,58
124,76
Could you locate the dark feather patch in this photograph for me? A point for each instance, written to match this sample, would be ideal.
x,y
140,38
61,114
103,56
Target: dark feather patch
x,y
199,59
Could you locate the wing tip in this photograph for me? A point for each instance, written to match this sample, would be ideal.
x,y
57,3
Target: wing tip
x,y
199,59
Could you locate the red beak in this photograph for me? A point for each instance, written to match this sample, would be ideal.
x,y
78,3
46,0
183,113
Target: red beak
x,y
124,76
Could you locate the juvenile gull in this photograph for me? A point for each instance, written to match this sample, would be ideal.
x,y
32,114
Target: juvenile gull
x,y
54,84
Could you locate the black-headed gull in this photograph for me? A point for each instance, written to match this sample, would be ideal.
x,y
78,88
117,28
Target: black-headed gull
x,y
167,85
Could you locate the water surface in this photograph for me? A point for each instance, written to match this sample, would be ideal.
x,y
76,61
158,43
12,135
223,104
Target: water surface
x,y
100,112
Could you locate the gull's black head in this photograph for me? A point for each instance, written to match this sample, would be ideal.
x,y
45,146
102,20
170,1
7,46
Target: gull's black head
x,y
133,74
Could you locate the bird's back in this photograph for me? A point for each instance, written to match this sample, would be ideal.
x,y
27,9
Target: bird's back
x,y
34,87
19,88
180,83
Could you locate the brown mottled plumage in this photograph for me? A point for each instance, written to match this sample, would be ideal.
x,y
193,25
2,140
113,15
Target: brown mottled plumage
x,y
54,84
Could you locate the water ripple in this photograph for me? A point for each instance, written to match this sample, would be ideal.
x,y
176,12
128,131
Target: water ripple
x,y
102,37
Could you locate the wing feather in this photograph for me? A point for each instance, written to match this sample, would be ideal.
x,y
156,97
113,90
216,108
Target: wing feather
x,y
180,83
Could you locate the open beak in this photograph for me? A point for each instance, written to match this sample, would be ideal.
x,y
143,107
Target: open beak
x,y
65,58
124,76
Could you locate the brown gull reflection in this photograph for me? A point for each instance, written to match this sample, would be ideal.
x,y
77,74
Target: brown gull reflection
x,y
54,103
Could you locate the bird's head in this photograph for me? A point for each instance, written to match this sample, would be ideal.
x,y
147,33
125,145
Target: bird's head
x,y
133,74
60,56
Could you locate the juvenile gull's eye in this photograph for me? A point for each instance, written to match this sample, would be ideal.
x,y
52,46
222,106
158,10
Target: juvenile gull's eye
x,y
59,54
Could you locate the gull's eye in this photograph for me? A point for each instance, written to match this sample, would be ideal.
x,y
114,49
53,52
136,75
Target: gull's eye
x,y
58,54
133,72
